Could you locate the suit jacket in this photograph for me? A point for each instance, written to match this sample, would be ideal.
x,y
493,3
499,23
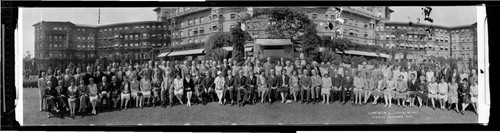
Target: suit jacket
x,y
208,82
114,87
230,82
413,86
102,87
280,81
251,83
188,85
337,82
347,82
98,77
273,81
240,81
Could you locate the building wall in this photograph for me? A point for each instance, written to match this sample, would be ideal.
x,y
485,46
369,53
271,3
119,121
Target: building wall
x,y
449,42
360,21
58,43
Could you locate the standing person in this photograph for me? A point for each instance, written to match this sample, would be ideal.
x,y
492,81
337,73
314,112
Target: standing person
x,y
219,86
50,96
42,85
306,88
78,76
378,91
230,83
433,88
51,77
235,68
389,91
87,75
464,74
273,83
326,87
422,91
453,94
99,74
429,74
316,83
257,67
401,90
251,83
125,92
347,87
247,68
278,68
473,93
294,85
157,81
288,68
284,85
67,78
267,67
179,88
72,97
443,93
412,89
465,91
262,86
358,86
188,85
93,95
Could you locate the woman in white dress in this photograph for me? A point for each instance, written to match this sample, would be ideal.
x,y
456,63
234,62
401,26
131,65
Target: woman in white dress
x,y
219,86
389,91
93,95
433,86
136,91
442,93
326,86
146,91
179,88
72,97
473,92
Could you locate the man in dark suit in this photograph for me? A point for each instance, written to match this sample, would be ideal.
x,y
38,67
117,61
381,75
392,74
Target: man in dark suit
x,y
273,83
99,74
105,92
241,88
284,83
230,87
347,85
251,83
447,73
337,81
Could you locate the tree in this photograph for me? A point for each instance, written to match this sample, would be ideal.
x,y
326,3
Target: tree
x,y
217,40
337,44
218,54
238,41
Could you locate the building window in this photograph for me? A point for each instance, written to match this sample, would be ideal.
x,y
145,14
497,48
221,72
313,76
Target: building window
x,y
147,26
232,16
201,30
214,28
314,16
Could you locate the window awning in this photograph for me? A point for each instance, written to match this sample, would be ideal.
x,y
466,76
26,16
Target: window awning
x,y
354,52
161,55
273,42
231,48
186,52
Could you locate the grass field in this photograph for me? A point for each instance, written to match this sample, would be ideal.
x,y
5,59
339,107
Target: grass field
x,y
260,114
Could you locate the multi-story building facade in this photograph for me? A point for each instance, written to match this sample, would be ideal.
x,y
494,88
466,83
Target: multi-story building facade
x,y
58,43
196,24
431,40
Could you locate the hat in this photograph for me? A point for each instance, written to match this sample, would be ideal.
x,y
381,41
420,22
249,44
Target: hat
x,y
219,72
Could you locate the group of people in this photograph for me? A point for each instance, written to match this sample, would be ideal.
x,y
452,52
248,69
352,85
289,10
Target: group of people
x,y
165,83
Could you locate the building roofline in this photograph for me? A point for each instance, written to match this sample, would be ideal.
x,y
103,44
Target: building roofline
x,y
98,26
440,26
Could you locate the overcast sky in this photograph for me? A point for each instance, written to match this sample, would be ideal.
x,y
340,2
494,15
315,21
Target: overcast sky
x,y
446,16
